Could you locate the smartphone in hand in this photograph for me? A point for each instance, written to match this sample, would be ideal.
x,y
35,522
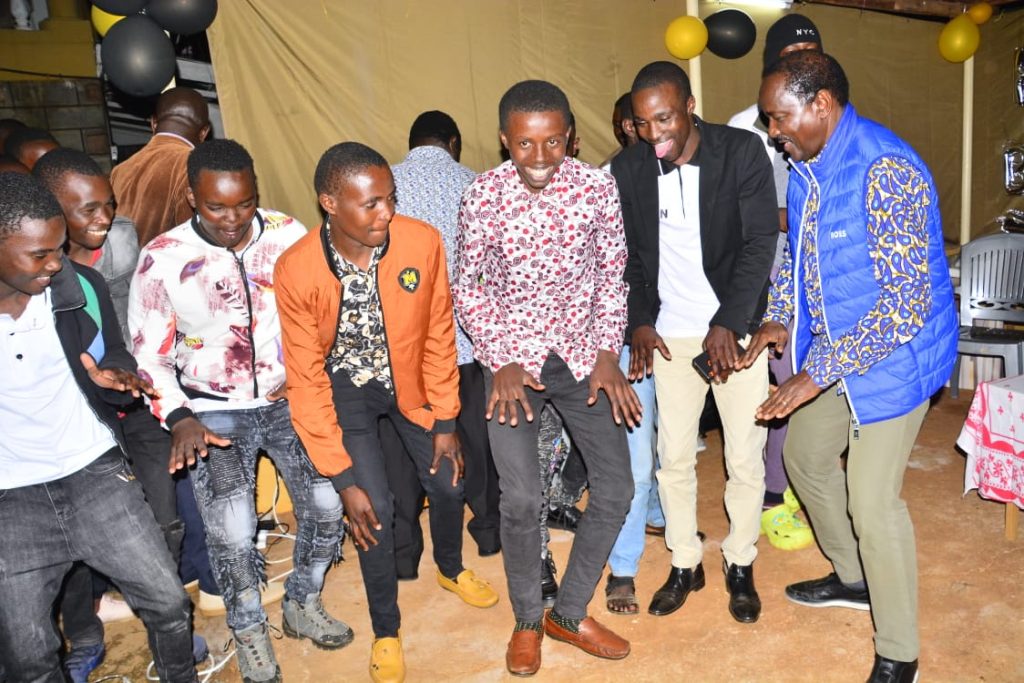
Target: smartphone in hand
x,y
702,363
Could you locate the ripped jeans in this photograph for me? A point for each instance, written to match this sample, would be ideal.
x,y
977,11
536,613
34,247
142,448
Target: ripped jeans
x,y
224,484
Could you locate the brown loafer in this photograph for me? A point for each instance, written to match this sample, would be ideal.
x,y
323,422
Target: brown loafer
x,y
593,638
523,655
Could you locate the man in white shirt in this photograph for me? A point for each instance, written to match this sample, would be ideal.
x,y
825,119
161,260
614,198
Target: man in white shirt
x,y
69,494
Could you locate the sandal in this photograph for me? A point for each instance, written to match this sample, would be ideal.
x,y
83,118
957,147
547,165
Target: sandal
x,y
621,595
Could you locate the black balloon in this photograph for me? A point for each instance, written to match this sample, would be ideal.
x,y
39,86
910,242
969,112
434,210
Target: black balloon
x,y
121,7
731,33
184,17
138,57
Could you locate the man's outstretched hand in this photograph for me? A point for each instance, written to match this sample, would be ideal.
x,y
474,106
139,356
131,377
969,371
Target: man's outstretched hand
x,y
117,379
188,437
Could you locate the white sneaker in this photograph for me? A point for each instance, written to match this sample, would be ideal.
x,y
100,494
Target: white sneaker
x,y
113,609
213,605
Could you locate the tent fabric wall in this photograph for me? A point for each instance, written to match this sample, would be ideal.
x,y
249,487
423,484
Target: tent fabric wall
x,y
296,77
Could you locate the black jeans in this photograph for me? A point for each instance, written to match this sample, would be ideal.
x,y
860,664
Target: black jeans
x,y
358,410
602,444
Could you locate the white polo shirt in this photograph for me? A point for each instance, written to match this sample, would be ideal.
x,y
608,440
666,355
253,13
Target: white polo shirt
x,y
49,429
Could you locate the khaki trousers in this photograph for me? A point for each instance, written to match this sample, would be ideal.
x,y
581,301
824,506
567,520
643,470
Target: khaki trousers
x,y
681,392
878,544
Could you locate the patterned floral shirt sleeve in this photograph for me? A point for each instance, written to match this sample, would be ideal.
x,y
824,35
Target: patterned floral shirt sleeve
x,y
610,293
897,197
780,296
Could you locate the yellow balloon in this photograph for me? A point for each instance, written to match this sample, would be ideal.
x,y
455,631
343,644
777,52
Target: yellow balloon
x,y
980,12
102,21
686,37
959,39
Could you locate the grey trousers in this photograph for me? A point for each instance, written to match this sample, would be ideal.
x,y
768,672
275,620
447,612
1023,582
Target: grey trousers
x,y
606,455
859,519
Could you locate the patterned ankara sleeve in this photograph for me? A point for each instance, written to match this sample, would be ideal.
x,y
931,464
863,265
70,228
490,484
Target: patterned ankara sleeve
x,y
481,317
610,293
897,235
780,295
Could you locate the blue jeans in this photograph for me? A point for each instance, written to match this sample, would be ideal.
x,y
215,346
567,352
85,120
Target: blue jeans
x,y
643,446
99,516
224,484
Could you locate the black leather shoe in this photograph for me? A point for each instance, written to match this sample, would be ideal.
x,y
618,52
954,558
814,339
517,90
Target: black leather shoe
x,y
548,584
744,603
565,517
672,595
891,671
828,592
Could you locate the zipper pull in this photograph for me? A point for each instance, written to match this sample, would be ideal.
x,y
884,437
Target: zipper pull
x,y
856,430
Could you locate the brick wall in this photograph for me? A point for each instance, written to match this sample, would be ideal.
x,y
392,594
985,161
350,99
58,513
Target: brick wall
x,y
72,109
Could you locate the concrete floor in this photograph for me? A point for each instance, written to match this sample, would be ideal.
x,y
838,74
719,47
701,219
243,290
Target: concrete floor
x,y
971,578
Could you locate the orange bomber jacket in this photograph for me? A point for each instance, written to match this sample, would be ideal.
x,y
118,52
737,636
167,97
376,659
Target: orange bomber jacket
x,y
416,301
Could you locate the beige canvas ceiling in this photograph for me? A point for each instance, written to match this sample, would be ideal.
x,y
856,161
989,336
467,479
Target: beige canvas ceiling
x,y
295,77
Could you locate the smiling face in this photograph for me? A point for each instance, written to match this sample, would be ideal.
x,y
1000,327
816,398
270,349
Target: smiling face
x,y
226,204
799,128
88,206
361,207
663,118
30,257
536,142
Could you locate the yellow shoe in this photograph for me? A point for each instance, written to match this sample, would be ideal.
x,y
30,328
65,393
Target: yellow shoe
x,y
473,591
213,605
387,665
784,529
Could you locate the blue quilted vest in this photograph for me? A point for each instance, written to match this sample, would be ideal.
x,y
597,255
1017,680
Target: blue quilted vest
x,y
914,371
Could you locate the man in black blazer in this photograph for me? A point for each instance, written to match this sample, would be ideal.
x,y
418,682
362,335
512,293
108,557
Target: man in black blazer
x,y
698,202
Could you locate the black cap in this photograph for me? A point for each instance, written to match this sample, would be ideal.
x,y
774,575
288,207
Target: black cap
x,y
789,30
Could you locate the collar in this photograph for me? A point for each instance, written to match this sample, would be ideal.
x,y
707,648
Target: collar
x,y
830,159
176,137
257,232
428,153
328,249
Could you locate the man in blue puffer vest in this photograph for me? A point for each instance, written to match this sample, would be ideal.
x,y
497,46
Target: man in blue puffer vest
x,y
867,288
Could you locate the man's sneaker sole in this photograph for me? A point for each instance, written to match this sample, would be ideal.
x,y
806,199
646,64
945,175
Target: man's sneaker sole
x,y
849,604
275,679
347,637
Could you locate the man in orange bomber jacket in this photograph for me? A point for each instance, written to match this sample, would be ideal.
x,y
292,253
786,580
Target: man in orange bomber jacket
x,y
368,331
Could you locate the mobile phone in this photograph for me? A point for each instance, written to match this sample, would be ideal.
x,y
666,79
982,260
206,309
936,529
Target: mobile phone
x,y
702,363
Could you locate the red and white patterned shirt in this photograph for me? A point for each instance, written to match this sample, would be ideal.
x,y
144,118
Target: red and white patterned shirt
x,y
541,273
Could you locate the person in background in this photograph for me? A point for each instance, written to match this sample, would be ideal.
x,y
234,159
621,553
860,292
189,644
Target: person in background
x,y
866,291
152,184
429,184
28,145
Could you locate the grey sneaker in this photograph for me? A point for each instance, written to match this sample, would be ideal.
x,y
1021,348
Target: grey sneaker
x,y
256,661
311,620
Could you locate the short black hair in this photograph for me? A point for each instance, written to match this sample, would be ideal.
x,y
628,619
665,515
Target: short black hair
x,y
624,105
659,73
19,137
23,197
344,160
218,155
11,124
533,96
54,166
433,126
807,72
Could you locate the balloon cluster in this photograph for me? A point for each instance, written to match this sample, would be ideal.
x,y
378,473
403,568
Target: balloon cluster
x,y
959,38
729,33
137,55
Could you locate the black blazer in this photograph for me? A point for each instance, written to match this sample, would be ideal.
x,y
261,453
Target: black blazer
x,y
739,225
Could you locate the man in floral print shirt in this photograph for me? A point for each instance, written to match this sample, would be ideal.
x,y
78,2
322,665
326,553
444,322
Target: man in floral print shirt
x,y
203,317
541,294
